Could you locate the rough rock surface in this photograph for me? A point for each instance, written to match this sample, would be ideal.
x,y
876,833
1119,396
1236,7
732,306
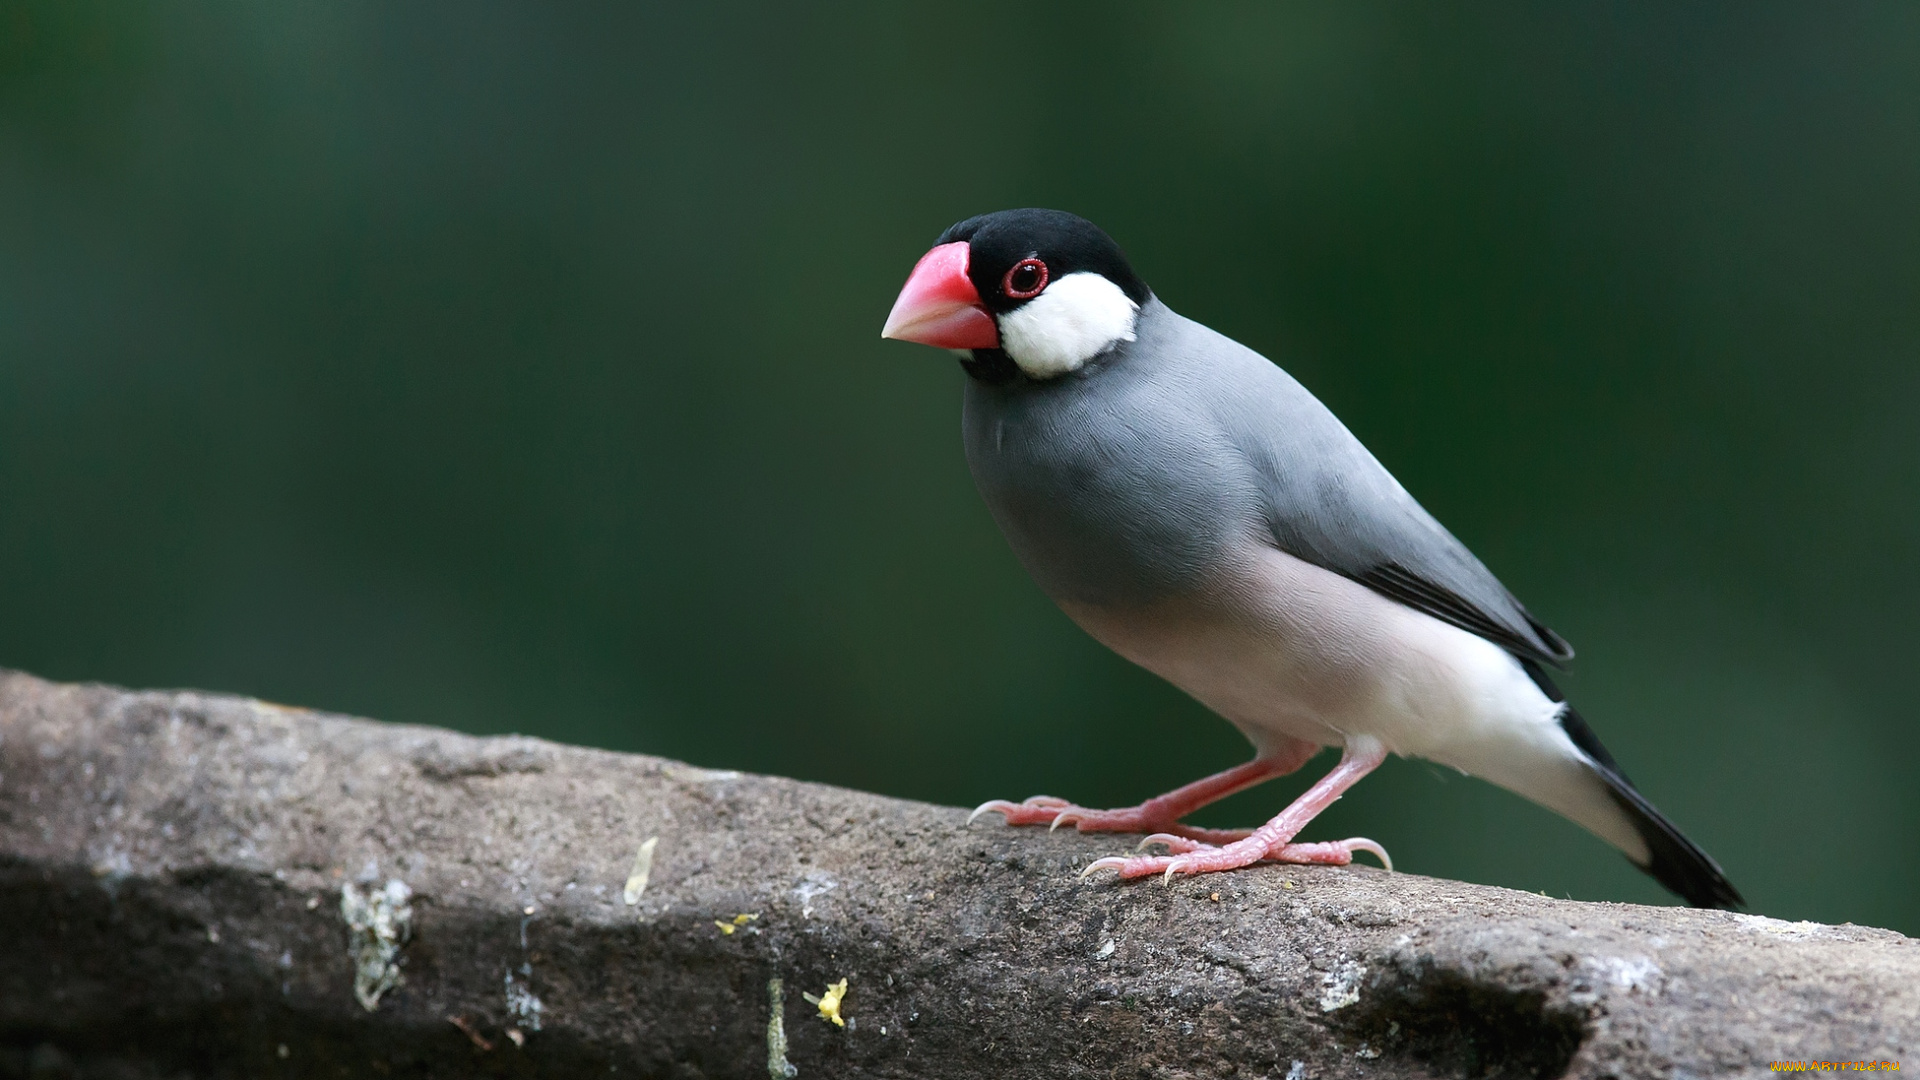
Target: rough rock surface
x,y
209,886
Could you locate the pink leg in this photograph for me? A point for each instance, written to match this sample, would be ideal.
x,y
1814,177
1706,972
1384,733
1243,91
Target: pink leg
x,y
1160,814
1272,840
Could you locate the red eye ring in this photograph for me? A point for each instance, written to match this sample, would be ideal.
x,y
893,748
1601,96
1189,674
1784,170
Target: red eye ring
x,y
1031,272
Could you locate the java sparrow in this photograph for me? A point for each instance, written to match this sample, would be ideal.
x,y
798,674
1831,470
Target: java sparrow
x,y
1194,508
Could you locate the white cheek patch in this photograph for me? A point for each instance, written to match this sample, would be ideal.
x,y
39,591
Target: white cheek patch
x,y
1079,317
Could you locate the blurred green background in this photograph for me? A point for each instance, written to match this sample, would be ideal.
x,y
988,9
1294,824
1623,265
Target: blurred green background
x,y
516,368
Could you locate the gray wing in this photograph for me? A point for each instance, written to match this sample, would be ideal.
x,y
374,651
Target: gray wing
x,y
1328,501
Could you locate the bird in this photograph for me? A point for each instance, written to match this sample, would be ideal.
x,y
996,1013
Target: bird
x,y
1198,511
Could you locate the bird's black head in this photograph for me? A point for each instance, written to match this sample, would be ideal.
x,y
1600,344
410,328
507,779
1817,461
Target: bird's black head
x,y
1016,253
1026,292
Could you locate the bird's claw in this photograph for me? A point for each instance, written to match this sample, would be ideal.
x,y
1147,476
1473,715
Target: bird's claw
x,y
1028,812
1175,845
1361,843
989,806
1111,862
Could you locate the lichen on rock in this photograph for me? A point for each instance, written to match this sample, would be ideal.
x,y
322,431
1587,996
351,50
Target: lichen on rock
x,y
379,923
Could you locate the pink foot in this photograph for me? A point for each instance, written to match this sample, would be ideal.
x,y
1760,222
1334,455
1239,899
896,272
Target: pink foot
x,y
1161,814
1053,813
1187,857
1272,841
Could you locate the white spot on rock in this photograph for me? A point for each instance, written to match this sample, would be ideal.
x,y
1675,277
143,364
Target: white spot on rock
x,y
1792,931
522,1004
689,775
1341,986
379,923
1632,973
813,885
112,870
1628,974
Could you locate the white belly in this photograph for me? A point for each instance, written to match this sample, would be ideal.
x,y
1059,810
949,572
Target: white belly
x,y
1285,649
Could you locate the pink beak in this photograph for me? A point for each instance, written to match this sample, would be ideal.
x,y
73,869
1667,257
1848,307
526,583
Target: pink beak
x,y
939,306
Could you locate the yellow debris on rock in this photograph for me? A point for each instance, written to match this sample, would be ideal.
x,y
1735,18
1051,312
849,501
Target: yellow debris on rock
x,y
829,1002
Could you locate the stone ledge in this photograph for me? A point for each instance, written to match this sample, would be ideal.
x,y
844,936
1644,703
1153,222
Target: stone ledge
x,y
173,867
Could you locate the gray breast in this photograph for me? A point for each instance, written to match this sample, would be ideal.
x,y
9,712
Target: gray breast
x,y
1115,485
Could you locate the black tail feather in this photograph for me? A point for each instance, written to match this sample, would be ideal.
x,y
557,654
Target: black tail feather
x,y
1676,862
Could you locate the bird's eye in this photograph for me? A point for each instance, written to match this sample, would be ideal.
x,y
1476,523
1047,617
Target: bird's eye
x,y
1025,280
